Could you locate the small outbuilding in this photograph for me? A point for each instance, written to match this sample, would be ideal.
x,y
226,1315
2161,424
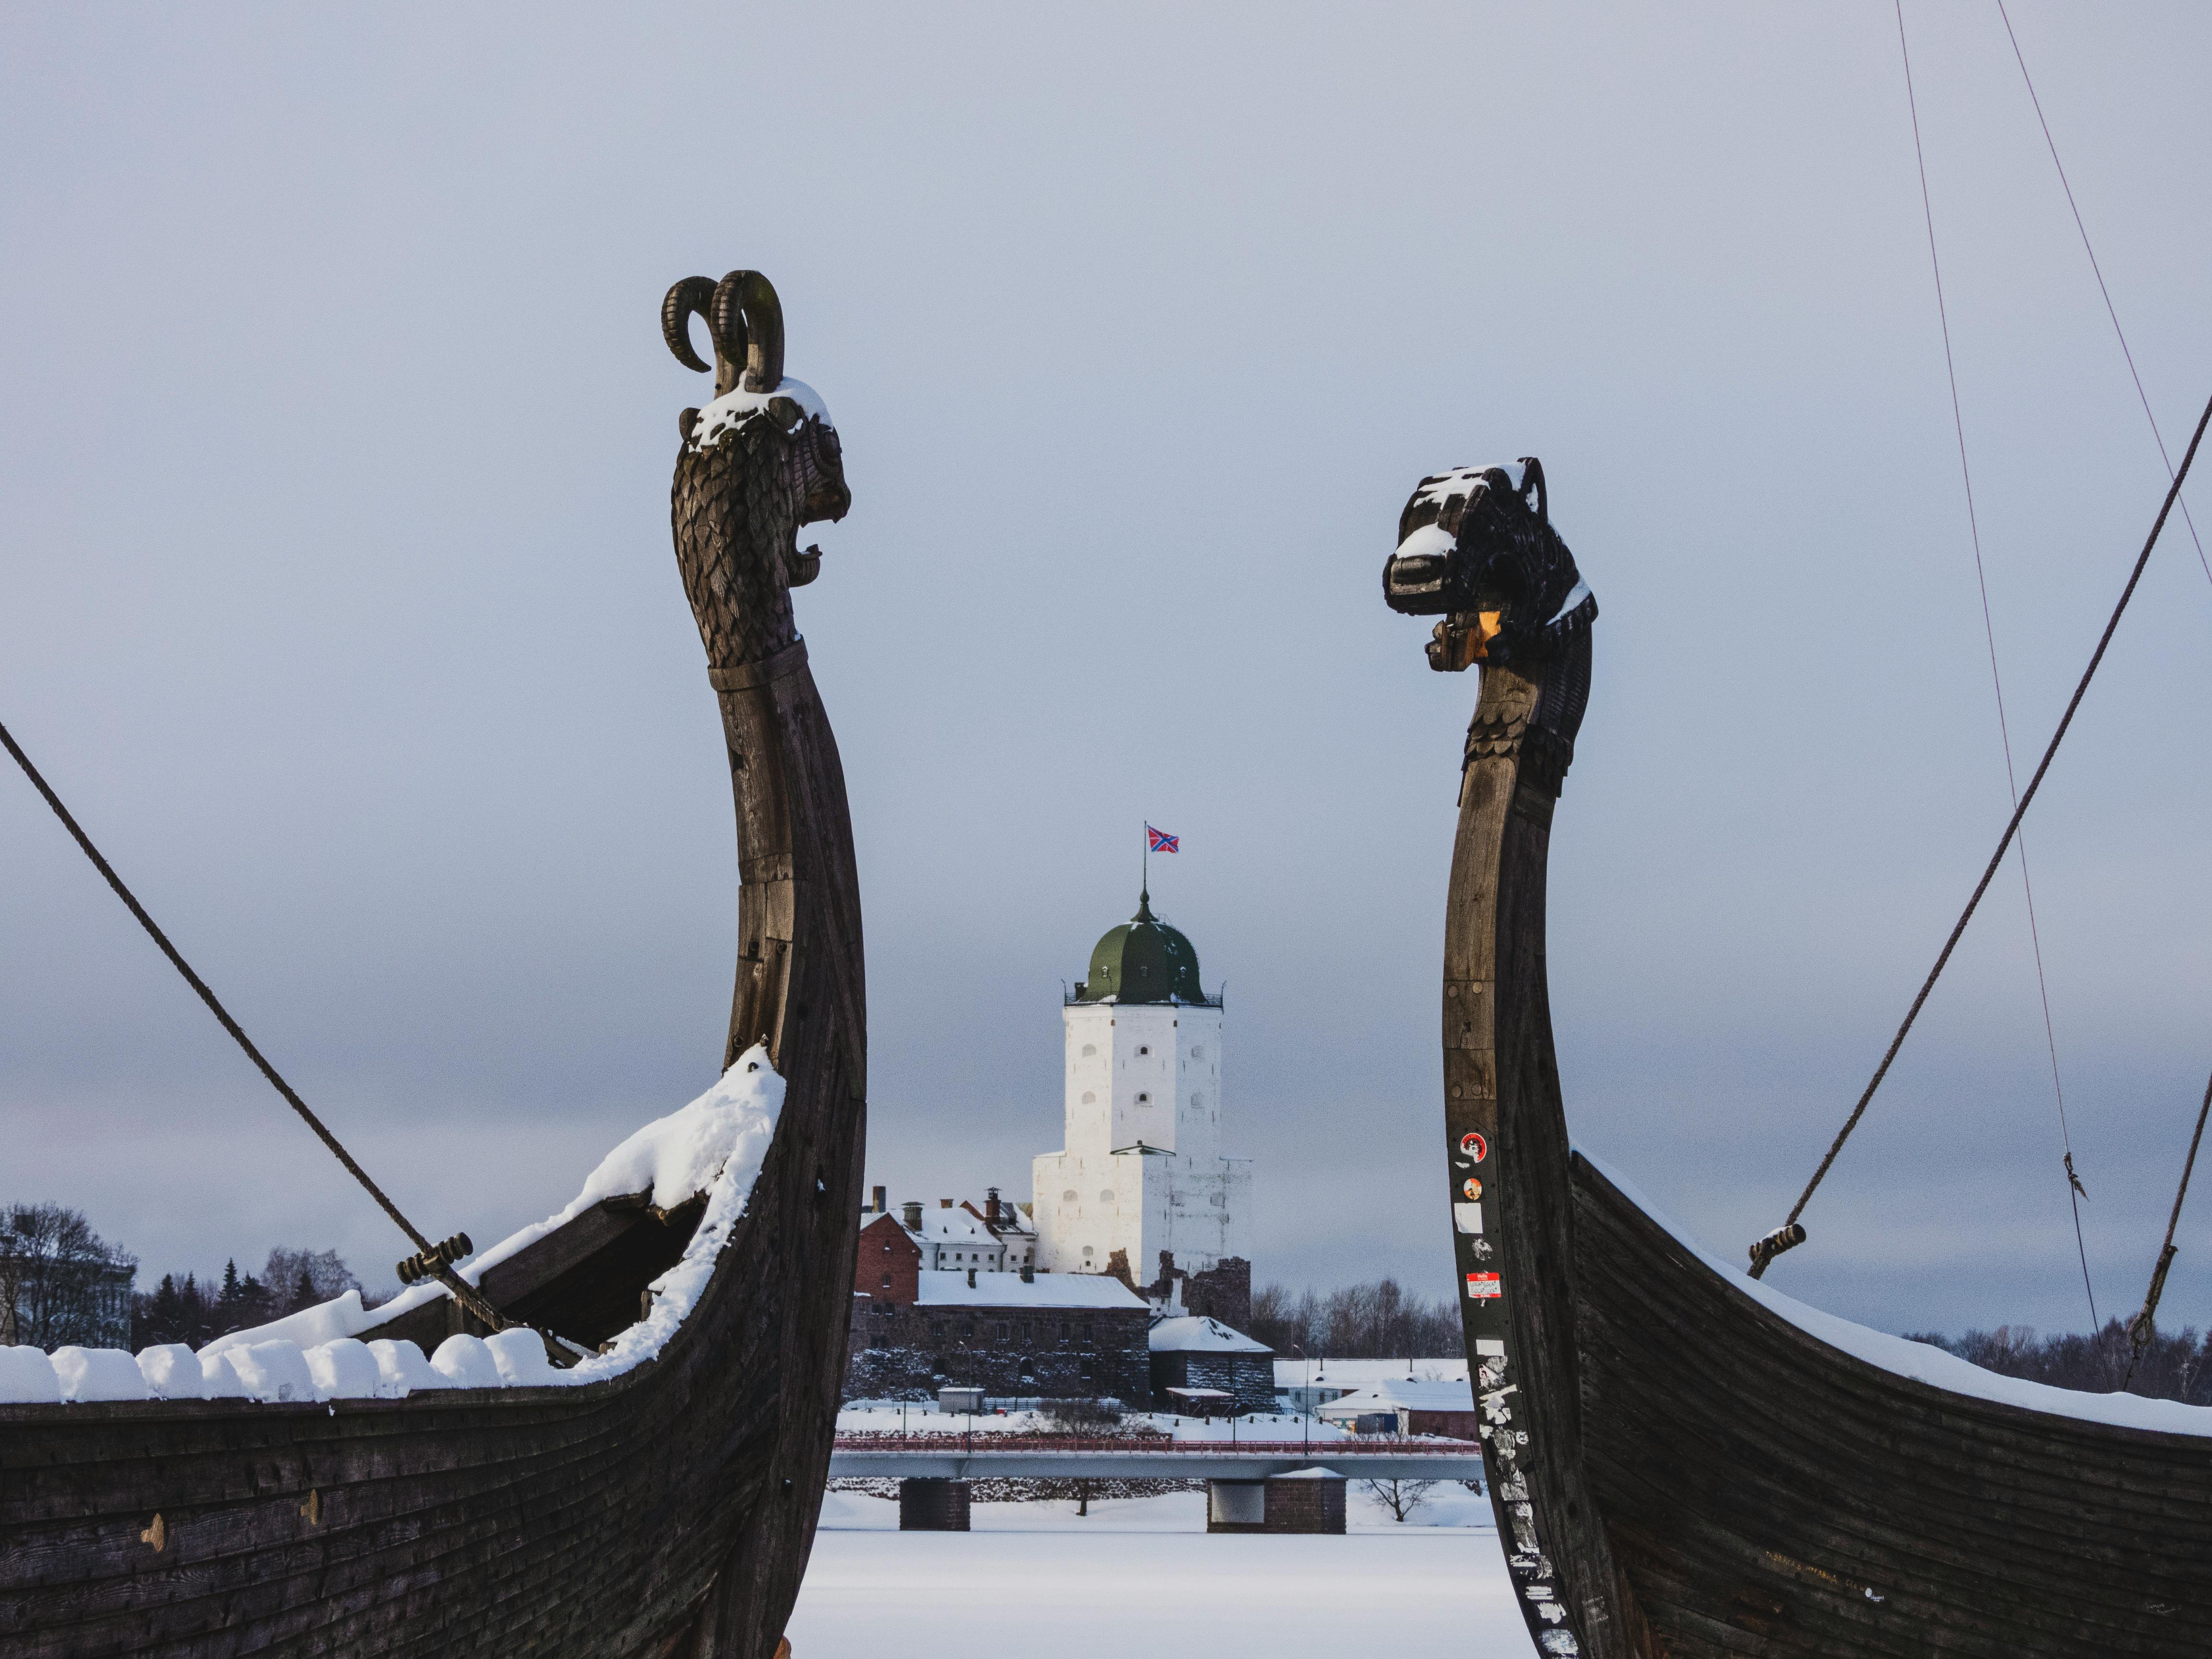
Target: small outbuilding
x,y
1407,1406
1195,1357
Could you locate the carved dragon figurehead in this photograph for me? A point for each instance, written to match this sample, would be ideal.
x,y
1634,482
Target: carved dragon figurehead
x,y
1476,546
757,463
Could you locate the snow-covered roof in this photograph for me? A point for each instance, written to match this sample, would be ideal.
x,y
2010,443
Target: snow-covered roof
x,y
1923,1362
958,1227
1193,1333
1402,1395
1324,1372
949,1288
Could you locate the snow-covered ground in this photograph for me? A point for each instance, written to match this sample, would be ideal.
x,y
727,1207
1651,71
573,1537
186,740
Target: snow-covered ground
x,y
875,1418
1142,1576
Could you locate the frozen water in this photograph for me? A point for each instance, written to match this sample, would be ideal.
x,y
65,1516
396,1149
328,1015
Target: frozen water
x,y
1143,1575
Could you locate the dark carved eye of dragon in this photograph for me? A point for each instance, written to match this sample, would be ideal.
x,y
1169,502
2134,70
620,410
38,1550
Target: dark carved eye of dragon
x,y
757,463
1476,546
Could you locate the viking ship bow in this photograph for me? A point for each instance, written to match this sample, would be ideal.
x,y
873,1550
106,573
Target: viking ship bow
x,y
1683,1463
657,1496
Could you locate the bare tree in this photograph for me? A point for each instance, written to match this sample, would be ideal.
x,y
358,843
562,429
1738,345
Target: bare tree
x,y
1377,1321
301,1279
60,1282
2171,1366
1401,1498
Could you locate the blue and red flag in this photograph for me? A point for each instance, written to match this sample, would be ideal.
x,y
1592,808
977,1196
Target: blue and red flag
x,y
1159,841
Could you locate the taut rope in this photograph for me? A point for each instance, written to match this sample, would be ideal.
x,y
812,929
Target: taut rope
x,y
2140,1328
439,1254
1775,1242
2075,1191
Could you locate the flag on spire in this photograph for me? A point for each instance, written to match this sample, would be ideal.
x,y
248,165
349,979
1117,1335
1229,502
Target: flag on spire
x,y
1158,841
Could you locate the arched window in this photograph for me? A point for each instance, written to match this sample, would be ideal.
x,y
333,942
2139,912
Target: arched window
x,y
1089,1049
1090,1099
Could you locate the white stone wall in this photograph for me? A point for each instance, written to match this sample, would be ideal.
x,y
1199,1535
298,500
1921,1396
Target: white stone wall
x,y
1150,1074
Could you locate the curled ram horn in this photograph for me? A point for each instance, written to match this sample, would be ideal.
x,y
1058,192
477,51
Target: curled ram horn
x,y
693,293
747,322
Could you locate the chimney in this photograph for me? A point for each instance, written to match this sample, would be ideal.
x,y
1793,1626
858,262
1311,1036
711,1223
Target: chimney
x,y
912,1208
880,1205
971,1279
944,1203
991,1207
1029,1273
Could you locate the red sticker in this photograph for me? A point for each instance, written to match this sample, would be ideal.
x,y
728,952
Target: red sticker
x,y
1473,1145
1473,1188
1482,1286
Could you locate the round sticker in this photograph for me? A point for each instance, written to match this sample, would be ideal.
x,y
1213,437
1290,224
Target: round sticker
x,y
1473,1190
1473,1146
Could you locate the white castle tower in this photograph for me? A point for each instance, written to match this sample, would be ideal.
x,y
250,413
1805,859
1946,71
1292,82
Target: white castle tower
x,y
1142,1171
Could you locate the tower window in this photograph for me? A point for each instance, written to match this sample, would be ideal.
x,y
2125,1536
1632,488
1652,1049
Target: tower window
x,y
1197,1052
1198,1100
1090,1099
1106,1196
1089,1049
1144,1100
1069,1196
1143,1048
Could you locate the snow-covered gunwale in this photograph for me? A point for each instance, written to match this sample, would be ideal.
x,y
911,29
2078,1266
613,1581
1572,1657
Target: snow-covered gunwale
x,y
368,1481
1685,1463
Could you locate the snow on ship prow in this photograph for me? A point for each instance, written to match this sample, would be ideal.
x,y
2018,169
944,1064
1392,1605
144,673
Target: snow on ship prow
x,y
714,1148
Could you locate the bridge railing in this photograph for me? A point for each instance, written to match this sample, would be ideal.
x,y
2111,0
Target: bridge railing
x,y
967,1441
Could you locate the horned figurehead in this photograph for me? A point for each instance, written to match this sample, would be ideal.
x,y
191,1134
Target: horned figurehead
x,y
1476,546
757,463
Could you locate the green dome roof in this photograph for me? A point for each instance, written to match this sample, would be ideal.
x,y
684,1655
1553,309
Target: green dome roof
x,y
1142,960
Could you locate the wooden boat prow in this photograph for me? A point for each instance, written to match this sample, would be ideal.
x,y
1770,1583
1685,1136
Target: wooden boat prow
x,y
1680,1468
668,1508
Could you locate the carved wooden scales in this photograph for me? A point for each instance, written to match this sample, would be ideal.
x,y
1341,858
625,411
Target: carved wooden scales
x,y
1678,1471
668,1511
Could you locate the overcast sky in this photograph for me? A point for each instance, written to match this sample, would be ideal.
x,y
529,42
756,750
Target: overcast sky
x,y
337,596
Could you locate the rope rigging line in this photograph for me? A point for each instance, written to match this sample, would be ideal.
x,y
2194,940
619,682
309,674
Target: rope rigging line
x,y
436,1259
2110,310
2075,1191
2140,1328
1774,1244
